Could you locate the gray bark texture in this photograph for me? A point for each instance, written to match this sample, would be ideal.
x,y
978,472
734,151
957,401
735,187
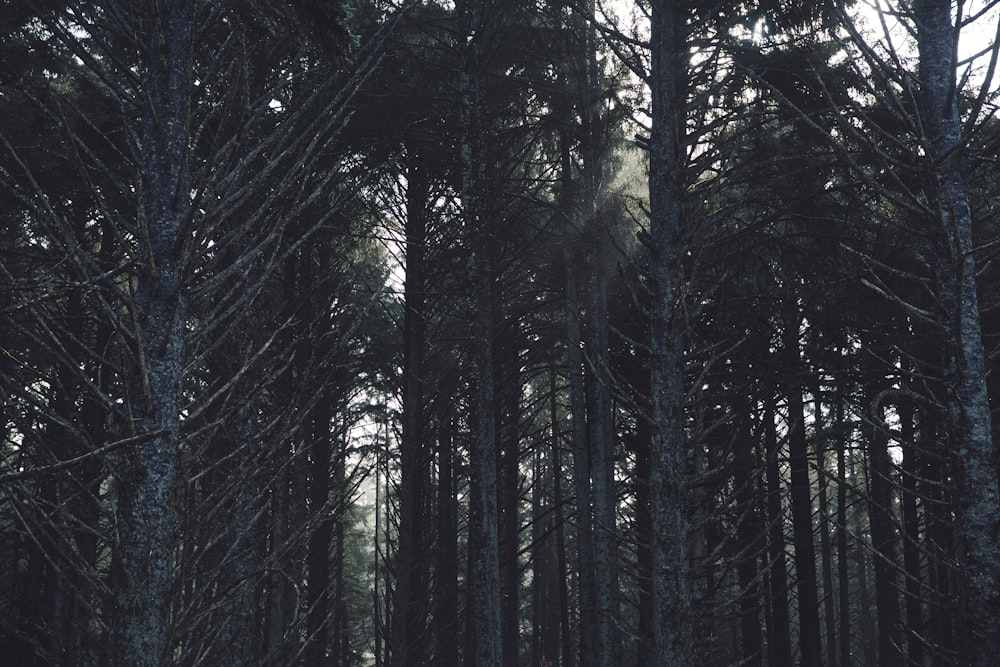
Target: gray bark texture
x,y
965,395
146,525
671,587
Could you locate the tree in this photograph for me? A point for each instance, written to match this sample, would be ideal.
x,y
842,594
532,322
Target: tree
x,y
964,370
670,583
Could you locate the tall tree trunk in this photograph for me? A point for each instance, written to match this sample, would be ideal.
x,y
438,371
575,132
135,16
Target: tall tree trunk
x,y
565,633
318,583
779,637
843,555
673,643
507,414
644,540
810,643
965,397
940,537
411,592
914,589
826,551
340,646
748,535
446,565
883,534
581,450
483,540
600,430
146,525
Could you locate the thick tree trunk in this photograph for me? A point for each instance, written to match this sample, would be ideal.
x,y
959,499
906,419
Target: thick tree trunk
x,y
965,397
483,520
673,644
146,525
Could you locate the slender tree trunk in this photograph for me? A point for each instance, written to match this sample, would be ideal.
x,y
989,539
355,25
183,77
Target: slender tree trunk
x,y
749,535
600,431
940,539
866,635
810,643
911,537
562,568
965,397
581,450
843,554
826,551
883,534
779,638
673,643
411,592
340,646
233,483
507,411
541,574
446,566
318,584
146,525
644,542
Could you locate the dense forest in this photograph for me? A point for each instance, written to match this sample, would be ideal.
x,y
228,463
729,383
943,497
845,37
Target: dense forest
x,y
651,333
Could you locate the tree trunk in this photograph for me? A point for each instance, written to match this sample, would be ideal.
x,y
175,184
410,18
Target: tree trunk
x,y
779,636
411,592
826,551
965,397
483,524
581,451
883,534
843,554
911,537
146,525
810,643
446,565
673,644
507,415
749,531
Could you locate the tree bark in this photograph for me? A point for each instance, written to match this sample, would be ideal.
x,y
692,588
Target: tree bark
x,y
779,636
673,644
146,524
883,533
965,398
914,589
483,539
748,534
810,642
411,591
446,566
826,550
843,554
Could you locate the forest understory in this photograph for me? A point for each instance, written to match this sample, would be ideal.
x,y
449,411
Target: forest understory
x,y
494,333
